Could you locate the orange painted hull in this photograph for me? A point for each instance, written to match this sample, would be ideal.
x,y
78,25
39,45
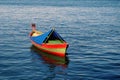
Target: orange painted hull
x,y
54,49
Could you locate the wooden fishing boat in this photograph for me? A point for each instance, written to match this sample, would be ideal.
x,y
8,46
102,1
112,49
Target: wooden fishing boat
x,y
50,42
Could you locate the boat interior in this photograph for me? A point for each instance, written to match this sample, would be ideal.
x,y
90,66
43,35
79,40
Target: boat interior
x,y
36,33
54,39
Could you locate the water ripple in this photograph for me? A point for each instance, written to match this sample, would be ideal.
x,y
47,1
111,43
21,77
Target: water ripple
x,y
92,34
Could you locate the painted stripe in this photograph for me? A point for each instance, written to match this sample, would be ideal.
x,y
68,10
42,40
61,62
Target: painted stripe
x,y
61,50
61,54
48,45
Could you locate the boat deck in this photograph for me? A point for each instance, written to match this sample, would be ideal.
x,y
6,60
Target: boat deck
x,y
55,41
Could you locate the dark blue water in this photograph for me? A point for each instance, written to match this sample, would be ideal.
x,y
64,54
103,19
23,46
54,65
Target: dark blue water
x,y
91,27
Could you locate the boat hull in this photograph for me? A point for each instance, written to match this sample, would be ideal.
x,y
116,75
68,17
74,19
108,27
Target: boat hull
x,y
54,49
50,42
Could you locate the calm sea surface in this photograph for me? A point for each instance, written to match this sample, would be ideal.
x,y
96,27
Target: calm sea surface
x,y
92,29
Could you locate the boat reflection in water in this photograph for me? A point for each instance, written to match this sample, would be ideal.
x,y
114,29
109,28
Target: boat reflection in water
x,y
57,66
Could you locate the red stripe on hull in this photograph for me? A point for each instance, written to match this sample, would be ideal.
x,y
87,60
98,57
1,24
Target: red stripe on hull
x,y
63,45
41,47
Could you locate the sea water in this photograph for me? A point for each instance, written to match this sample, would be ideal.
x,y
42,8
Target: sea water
x,y
91,27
